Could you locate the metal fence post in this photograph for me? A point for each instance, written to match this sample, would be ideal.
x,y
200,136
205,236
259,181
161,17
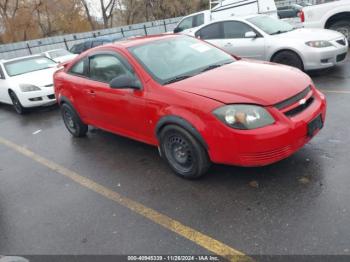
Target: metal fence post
x,y
165,29
144,27
30,51
122,31
65,43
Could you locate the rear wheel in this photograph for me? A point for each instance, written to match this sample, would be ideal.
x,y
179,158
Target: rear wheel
x,y
342,26
288,58
16,103
185,155
72,121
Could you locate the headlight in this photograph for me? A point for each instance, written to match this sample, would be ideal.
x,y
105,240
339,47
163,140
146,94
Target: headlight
x,y
28,88
244,116
319,44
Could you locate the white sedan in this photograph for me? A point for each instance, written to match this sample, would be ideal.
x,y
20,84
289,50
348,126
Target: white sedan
x,y
27,82
265,38
59,55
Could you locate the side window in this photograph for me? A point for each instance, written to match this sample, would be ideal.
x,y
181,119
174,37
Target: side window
x,y
234,29
78,68
212,31
187,23
104,68
198,20
78,48
87,45
96,43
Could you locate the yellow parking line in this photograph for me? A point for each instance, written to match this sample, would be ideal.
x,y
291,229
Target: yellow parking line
x,y
336,91
187,232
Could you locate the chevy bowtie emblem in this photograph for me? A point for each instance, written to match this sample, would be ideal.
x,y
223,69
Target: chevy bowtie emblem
x,y
302,101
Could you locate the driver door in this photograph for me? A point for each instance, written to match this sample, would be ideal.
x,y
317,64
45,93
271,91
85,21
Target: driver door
x,y
116,110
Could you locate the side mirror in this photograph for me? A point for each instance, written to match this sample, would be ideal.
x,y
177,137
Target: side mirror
x,y
177,30
250,34
125,81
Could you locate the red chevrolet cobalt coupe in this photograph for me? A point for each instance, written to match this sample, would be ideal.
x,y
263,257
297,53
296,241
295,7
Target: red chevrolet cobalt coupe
x,y
194,101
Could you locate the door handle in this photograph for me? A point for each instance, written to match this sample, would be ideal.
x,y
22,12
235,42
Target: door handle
x,y
228,44
91,92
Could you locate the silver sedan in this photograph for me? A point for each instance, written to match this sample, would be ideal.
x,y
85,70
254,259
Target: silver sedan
x,y
265,38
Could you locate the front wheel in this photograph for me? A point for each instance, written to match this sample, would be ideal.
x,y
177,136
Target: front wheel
x,y
184,154
342,26
16,103
288,58
72,121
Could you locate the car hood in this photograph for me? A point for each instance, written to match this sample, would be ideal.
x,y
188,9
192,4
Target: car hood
x,y
311,34
38,78
247,82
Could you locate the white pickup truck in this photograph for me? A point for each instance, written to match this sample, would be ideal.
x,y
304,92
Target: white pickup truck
x,y
333,15
221,9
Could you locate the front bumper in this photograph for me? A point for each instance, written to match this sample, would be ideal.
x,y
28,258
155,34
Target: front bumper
x,y
264,146
44,97
321,58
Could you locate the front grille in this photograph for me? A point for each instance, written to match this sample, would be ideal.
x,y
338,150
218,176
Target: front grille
x,y
293,100
341,57
268,156
51,96
341,42
299,108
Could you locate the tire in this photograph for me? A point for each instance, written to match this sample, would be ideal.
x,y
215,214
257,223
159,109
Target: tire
x,y
288,58
342,26
184,154
72,121
16,103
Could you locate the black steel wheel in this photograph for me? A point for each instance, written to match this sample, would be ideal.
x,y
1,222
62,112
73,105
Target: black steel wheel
x,y
16,103
288,58
184,154
72,121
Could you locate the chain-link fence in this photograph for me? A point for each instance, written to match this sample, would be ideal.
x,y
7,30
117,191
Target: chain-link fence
x,y
37,46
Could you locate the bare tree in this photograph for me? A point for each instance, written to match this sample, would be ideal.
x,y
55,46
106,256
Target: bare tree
x,y
88,14
8,8
107,10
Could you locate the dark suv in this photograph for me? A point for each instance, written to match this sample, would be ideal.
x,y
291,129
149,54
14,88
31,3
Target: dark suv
x,y
81,47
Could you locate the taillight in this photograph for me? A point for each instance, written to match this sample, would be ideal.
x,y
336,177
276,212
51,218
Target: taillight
x,y
301,16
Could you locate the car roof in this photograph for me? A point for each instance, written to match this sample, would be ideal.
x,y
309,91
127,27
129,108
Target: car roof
x,y
135,41
58,49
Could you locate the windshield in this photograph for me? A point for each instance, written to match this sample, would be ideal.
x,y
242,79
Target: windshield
x,y
58,53
28,65
271,26
173,59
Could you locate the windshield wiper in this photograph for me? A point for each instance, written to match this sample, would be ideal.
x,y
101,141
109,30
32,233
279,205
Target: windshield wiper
x,y
182,77
281,31
215,66
278,32
176,79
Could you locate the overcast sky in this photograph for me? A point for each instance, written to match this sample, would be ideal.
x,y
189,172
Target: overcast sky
x,y
95,7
